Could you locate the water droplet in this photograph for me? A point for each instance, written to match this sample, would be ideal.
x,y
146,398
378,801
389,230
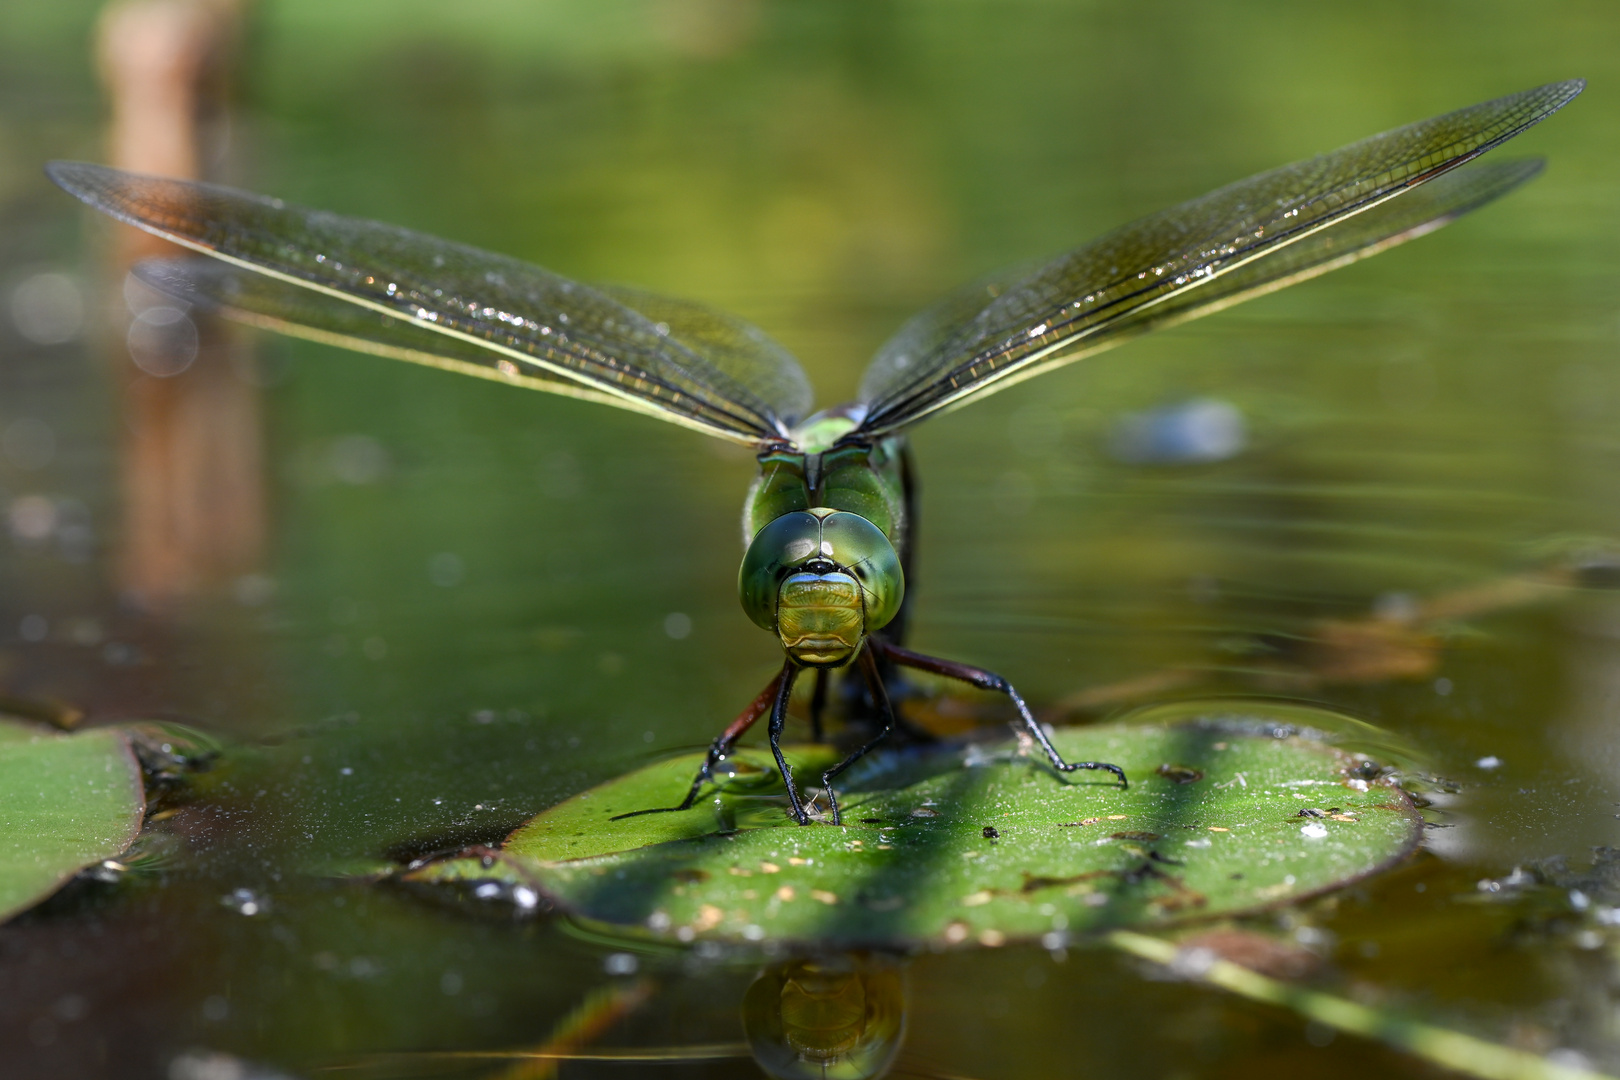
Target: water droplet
x,y
358,459
246,902
446,569
32,517
163,341
48,309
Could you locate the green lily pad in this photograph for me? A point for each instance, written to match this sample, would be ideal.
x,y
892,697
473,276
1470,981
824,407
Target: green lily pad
x,y
66,802
1228,811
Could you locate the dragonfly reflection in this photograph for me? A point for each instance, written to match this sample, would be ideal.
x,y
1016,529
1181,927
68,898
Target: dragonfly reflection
x,y
830,1016
827,525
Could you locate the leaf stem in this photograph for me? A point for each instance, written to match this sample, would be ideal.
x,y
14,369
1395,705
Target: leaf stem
x,y
1441,1046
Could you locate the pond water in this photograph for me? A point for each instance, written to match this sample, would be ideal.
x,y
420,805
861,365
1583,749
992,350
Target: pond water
x,y
467,603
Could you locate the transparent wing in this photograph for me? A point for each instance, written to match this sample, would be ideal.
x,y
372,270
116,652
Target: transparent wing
x,y
504,315
739,349
999,331
1384,226
272,304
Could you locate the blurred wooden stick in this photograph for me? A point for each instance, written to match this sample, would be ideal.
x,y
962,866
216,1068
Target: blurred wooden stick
x,y
192,458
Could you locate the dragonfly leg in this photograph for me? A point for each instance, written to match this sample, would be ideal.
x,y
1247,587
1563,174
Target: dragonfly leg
x,y
874,679
721,748
784,691
886,670
989,680
818,704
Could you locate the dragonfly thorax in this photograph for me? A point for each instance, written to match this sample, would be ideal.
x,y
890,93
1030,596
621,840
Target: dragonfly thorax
x,y
821,580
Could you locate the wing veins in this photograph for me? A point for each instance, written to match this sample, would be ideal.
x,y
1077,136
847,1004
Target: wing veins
x,y
615,354
610,390
1020,346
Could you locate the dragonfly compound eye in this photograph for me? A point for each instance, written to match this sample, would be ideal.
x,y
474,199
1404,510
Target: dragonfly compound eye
x,y
821,580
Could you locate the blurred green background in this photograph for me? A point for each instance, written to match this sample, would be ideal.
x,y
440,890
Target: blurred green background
x,y
464,610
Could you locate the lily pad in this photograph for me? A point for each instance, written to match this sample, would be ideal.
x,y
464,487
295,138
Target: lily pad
x,y
1229,810
66,802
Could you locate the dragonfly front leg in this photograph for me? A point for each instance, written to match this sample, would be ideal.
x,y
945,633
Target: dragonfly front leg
x,y
989,680
784,691
874,681
723,745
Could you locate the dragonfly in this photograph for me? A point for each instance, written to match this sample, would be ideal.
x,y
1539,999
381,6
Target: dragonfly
x,y
828,523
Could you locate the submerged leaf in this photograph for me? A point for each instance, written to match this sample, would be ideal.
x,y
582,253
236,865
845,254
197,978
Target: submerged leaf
x,y
66,802
1226,813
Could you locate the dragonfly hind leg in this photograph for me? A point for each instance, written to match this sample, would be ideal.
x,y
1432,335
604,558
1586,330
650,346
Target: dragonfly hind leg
x,y
723,745
874,679
989,680
818,704
863,705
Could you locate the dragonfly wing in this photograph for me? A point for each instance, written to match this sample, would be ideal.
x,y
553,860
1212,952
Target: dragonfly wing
x,y
1384,226
739,349
523,317
983,339
272,304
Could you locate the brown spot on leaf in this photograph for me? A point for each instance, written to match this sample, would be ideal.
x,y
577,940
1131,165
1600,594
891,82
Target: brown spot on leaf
x,y
1179,774
1036,882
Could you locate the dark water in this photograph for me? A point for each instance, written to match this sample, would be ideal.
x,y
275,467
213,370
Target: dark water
x,y
463,609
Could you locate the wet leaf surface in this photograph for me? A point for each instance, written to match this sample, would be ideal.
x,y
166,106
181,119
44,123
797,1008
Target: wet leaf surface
x,y
1224,814
66,802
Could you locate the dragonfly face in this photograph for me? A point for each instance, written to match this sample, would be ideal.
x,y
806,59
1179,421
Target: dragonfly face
x,y
821,580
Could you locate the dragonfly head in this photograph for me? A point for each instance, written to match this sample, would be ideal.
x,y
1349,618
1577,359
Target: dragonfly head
x,y
821,580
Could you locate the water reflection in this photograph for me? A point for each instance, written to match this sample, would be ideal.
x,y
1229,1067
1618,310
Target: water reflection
x,y
1402,639
824,1016
1193,432
838,1016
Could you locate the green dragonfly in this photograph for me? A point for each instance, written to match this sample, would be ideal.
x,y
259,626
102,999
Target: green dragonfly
x,y
827,524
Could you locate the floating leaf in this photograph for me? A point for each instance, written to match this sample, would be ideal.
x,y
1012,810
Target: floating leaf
x,y
1228,811
66,802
